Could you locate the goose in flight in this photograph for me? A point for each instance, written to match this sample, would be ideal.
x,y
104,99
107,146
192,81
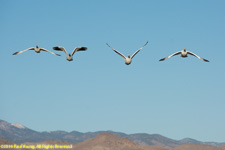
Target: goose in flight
x,y
129,58
184,53
69,56
36,49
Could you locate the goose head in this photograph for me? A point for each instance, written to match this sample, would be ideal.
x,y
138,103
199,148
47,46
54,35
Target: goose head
x,y
128,56
185,49
36,46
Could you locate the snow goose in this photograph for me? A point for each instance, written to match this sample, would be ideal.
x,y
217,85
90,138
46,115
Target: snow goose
x,y
36,49
129,58
69,56
184,53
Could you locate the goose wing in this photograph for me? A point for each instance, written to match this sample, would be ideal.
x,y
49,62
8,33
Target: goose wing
x,y
42,49
19,52
138,50
59,48
79,49
197,56
170,56
117,51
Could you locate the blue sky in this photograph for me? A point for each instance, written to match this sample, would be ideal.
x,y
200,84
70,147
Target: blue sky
x,y
177,98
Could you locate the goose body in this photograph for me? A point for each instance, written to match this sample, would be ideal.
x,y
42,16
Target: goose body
x,y
36,49
184,53
128,59
69,56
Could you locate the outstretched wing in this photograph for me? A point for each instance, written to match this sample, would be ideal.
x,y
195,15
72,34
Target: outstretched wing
x,y
16,53
117,51
139,50
42,49
197,56
170,56
79,49
59,48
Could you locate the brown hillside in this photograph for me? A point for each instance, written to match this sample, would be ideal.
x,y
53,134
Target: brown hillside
x,y
223,147
52,142
154,147
196,147
5,142
106,141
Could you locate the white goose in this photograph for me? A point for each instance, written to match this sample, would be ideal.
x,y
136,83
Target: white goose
x,y
129,58
184,53
36,49
69,56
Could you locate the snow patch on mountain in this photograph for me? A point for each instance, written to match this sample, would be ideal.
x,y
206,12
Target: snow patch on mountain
x,y
18,125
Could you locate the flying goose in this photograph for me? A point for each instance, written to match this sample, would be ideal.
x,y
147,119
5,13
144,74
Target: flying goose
x,y
184,53
36,49
129,58
69,56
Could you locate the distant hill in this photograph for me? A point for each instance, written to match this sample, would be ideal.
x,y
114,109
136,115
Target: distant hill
x,y
107,141
18,133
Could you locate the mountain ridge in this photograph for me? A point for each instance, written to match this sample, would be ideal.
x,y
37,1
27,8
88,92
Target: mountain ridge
x,y
21,134
104,141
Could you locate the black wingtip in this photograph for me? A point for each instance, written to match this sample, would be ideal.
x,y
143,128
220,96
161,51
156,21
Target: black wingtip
x,y
162,59
15,53
56,48
83,48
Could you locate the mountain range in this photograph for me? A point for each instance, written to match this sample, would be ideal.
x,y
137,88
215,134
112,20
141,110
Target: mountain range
x,y
103,141
18,133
